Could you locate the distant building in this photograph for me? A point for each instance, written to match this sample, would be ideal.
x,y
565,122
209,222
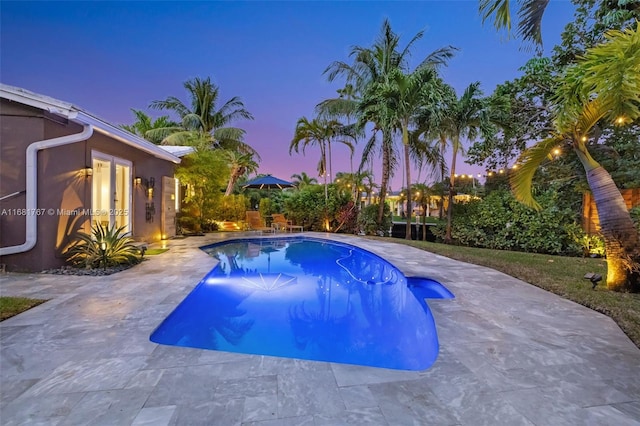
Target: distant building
x,y
398,204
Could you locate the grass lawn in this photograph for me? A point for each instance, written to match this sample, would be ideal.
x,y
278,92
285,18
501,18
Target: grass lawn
x,y
557,274
10,306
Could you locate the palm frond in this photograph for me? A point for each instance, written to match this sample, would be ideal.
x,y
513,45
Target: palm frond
x,y
232,110
229,134
530,20
172,104
498,11
367,152
529,161
439,57
611,70
337,107
161,133
182,138
591,114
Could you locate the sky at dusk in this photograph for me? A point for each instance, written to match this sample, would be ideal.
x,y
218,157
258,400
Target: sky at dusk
x,y
109,57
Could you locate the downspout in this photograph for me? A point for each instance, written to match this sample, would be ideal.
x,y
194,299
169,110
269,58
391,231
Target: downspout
x,y
31,228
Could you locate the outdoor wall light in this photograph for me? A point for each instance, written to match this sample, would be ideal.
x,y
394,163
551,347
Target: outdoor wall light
x,y
87,171
137,180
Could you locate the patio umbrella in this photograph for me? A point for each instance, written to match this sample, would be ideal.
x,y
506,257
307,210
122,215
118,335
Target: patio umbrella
x,y
268,182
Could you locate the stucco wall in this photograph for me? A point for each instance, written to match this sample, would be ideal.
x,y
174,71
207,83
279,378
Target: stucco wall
x,y
62,185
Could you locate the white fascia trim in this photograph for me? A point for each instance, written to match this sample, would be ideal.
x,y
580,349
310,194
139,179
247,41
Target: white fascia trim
x,y
36,100
31,227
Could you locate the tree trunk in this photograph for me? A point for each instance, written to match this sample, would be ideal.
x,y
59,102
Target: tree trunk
x,y
405,142
386,171
443,149
617,229
324,170
235,175
329,159
447,237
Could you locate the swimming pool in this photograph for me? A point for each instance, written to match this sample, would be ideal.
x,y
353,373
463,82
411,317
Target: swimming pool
x,y
308,298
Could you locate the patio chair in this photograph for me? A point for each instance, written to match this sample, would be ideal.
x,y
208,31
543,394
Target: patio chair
x,y
255,222
280,222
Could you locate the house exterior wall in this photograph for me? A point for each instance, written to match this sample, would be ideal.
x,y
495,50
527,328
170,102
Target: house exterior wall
x,y
62,185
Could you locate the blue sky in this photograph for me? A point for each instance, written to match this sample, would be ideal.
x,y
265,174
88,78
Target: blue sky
x,y
108,57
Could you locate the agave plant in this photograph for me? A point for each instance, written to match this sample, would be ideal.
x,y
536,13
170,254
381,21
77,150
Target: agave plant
x,y
105,246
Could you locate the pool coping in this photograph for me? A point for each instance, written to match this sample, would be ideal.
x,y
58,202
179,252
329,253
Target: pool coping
x,y
510,353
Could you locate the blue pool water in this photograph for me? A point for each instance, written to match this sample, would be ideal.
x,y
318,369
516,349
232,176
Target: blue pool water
x,y
311,299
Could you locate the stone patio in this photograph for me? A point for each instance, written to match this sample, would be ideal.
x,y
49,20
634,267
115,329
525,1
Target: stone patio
x,y
510,354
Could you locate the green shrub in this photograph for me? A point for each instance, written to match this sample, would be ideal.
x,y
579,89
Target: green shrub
x,y
231,208
187,223
105,246
265,208
499,221
368,220
347,218
309,208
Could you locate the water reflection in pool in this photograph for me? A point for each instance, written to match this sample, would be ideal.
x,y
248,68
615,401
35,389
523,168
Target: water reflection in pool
x,y
310,299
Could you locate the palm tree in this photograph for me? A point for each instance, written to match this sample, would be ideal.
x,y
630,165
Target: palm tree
x,y
344,106
302,180
242,164
423,193
202,120
374,65
144,123
604,86
341,133
318,132
368,184
463,117
406,96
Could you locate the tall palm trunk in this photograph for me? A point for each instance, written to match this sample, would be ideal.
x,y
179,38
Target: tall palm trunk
x,y
447,237
386,172
329,159
236,172
619,233
443,149
323,159
405,142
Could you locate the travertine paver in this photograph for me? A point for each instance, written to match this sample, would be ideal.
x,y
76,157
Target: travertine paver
x,y
510,354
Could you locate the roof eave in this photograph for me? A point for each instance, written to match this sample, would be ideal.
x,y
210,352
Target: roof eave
x,y
83,117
